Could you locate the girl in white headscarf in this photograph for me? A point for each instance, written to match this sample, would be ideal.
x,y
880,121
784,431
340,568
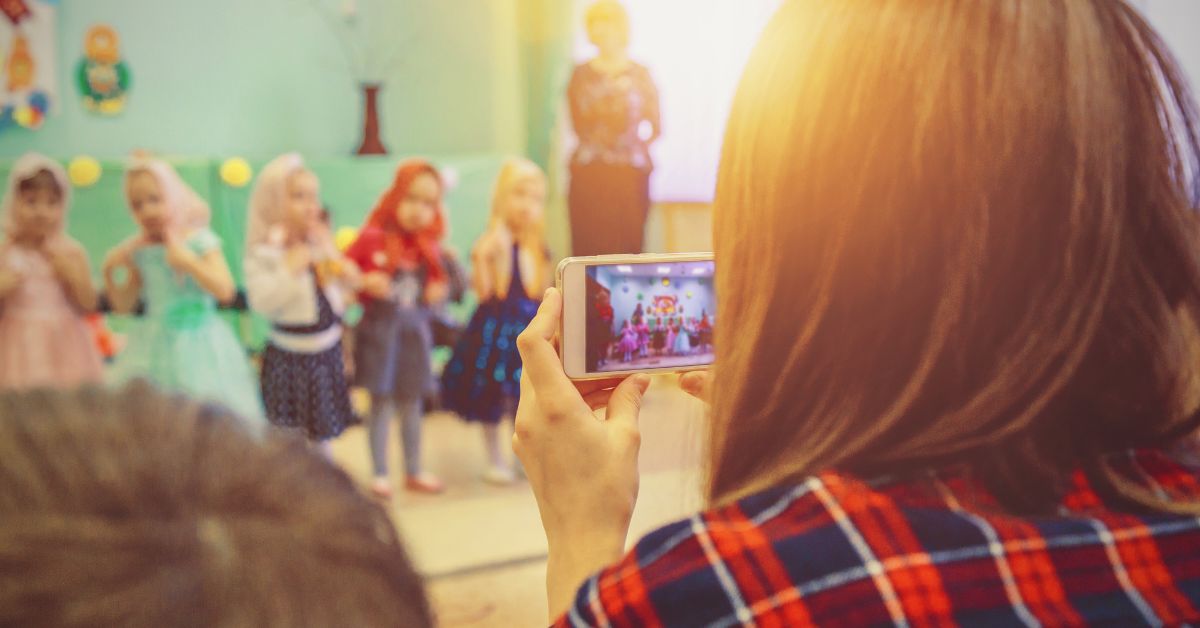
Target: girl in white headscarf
x,y
296,278
174,265
45,284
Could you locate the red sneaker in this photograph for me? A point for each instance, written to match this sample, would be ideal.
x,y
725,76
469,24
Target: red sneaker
x,y
424,483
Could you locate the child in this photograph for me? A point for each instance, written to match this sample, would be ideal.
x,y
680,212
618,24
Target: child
x,y
643,330
683,335
629,342
510,271
672,333
295,277
45,284
175,264
406,280
706,330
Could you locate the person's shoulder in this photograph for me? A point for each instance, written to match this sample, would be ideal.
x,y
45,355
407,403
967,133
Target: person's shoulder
x,y
640,70
700,569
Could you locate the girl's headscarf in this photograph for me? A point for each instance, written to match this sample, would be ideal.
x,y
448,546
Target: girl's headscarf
x,y
27,167
268,197
186,210
384,244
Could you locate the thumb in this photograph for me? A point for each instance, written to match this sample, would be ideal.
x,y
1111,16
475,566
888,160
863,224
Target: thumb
x,y
626,402
697,384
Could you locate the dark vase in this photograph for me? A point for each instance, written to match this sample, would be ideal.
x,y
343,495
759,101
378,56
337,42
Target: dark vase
x,y
371,144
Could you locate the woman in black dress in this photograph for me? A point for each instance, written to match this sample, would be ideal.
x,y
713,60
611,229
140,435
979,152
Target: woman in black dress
x,y
615,113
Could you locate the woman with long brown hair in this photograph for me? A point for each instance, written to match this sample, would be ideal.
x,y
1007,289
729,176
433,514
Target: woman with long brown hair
x,y
959,286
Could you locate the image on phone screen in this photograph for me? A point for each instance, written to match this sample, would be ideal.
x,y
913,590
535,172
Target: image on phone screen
x,y
649,316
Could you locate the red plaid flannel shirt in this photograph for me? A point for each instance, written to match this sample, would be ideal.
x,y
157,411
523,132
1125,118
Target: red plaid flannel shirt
x,y
836,550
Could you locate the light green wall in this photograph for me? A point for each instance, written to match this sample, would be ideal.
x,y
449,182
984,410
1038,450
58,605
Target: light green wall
x,y
261,77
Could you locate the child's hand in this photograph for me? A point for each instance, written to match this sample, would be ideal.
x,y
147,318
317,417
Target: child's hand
x,y
179,257
63,261
122,255
377,284
495,245
299,258
436,293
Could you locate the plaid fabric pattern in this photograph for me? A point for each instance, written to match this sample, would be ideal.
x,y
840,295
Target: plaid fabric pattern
x,y
938,551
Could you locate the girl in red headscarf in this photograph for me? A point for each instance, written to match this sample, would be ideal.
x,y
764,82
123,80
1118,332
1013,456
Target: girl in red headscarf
x,y
407,278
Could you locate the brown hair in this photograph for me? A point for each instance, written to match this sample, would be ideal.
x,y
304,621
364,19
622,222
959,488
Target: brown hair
x,y
955,232
143,509
41,181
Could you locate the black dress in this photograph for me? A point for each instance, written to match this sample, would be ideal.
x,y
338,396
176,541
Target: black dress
x,y
482,380
308,391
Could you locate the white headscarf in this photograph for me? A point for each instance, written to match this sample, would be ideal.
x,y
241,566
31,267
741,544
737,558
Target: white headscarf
x,y
186,210
267,201
26,167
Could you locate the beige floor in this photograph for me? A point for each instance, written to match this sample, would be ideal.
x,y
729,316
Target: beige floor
x,y
481,547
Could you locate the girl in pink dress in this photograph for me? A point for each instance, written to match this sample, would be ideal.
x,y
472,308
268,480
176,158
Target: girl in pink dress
x,y
45,284
629,341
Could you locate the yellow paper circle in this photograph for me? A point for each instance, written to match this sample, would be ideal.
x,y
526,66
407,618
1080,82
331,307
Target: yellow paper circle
x,y
236,172
345,237
84,171
23,115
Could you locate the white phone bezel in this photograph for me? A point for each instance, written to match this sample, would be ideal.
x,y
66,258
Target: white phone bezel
x,y
569,278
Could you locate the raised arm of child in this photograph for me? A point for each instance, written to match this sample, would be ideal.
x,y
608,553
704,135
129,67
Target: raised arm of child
x,y
123,294
209,268
70,264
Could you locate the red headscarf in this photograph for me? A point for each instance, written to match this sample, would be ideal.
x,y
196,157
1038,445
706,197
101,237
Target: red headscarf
x,y
384,245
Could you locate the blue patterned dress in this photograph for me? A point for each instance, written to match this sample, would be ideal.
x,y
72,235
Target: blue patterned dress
x,y
482,381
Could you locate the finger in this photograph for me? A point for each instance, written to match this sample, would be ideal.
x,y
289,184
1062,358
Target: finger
x,y
539,359
598,399
626,402
697,384
589,386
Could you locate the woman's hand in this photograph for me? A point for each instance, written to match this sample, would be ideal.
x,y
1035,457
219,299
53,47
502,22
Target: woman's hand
x,y
583,469
697,384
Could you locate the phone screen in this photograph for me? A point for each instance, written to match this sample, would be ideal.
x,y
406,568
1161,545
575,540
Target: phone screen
x,y
652,315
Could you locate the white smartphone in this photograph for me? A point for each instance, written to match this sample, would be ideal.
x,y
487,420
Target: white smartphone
x,y
625,314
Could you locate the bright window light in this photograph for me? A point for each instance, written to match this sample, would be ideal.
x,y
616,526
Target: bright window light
x,y
695,50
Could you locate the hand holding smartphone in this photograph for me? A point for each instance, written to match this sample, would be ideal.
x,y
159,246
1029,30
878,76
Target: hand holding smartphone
x,y
626,314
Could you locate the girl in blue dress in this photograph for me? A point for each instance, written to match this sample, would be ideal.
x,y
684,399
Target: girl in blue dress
x,y
510,270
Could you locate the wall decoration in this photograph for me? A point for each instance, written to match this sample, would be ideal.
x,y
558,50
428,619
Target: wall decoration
x,y
344,237
236,172
665,304
102,75
84,171
27,63
372,44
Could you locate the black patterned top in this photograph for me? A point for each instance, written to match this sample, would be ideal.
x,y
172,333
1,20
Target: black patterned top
x,y
608,111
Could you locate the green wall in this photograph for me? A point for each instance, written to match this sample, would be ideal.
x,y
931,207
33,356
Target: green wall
x,y
261,77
